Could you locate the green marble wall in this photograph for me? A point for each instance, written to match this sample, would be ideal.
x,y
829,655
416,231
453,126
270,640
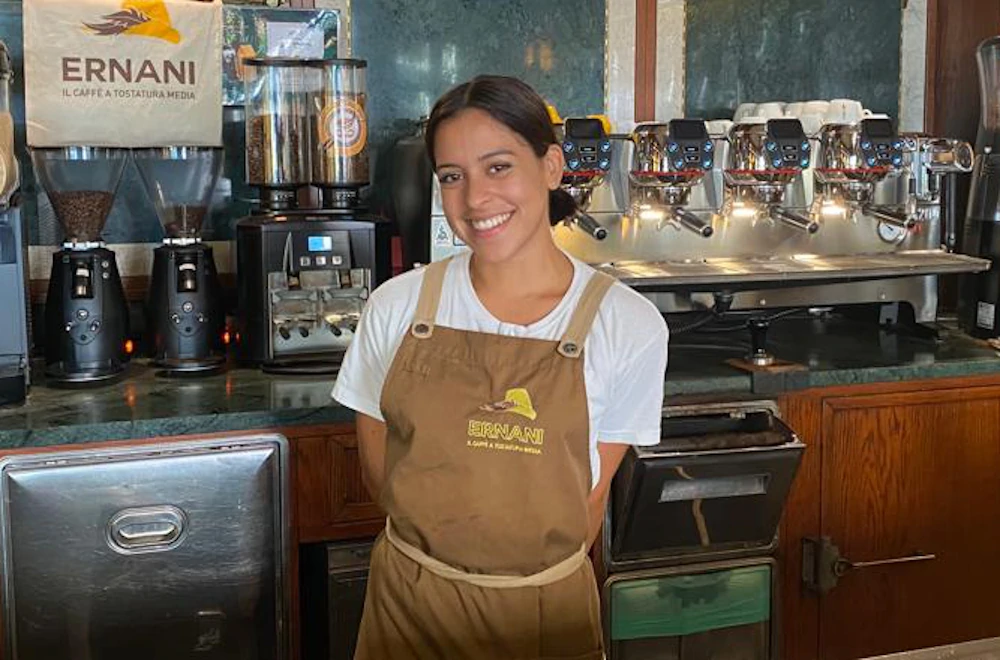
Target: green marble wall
x,y
790,50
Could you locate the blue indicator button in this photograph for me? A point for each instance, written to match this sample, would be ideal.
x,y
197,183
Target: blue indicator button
x,y
707,163
604,164
897,144
871,161
776,162
771,146
805,145
897,160
805,161
679,163
567,147
673,147
573,164
708,145
866,144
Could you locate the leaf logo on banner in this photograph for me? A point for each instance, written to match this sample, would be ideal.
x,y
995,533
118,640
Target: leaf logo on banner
x,y
143,18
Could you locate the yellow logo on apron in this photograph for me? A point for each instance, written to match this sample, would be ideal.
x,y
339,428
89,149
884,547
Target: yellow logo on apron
x,y
516,401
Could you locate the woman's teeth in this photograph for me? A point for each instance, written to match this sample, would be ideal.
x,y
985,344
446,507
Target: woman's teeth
x,y
489,223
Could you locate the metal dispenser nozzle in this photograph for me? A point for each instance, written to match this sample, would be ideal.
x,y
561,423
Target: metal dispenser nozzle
x,y
588,152
764,157
667,161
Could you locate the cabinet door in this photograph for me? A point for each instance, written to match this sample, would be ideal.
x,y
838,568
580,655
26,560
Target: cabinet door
x,y
906,473
330,499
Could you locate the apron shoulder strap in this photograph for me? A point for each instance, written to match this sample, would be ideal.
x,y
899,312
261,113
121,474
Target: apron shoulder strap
x,y
571,344
430,295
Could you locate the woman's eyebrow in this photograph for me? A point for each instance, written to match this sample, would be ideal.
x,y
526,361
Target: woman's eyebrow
x,y
498,152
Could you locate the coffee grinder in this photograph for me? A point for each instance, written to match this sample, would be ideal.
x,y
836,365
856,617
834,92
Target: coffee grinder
x,y
184,307
310,254
86,314
979,298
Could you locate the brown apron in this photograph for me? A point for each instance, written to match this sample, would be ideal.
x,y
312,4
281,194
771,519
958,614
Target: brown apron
x,y
486,482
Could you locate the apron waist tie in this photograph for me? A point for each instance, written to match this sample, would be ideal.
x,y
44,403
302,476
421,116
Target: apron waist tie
x,y
552,574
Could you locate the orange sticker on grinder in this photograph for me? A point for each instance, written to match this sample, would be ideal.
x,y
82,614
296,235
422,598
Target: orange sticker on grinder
x,y
344,127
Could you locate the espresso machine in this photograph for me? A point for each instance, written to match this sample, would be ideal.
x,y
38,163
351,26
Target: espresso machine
x,y
184,308
86,314
14,338
979,301
311,253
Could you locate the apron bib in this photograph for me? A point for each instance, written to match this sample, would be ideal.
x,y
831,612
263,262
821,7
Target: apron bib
x,y
487,478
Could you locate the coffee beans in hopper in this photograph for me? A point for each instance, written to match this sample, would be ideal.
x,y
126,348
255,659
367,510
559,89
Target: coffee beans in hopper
x,y
183,221
82,213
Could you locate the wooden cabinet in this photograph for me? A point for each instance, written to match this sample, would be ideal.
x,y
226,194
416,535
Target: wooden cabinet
x,y
891,471
330,500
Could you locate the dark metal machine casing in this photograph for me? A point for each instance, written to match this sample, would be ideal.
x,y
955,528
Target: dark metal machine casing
x,y
185,307
86,317
328,261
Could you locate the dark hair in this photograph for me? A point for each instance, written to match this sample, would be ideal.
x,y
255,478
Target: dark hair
x,y
514,104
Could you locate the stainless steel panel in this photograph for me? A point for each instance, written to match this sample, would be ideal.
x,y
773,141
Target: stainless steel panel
x,y
744,273
165,551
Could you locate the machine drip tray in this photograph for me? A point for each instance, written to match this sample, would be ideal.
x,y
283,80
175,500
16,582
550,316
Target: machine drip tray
x,y
327,364
757,272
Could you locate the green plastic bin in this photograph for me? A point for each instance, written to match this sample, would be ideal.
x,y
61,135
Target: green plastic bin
x,y
689,604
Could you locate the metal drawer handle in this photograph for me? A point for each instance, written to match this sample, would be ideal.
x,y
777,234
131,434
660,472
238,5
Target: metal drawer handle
x,y
146,529
149,531
842,565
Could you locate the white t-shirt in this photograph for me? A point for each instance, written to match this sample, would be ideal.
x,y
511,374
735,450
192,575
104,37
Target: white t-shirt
x,y
625,355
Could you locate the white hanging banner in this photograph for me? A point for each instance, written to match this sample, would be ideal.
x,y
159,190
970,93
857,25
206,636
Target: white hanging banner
x,y
123,73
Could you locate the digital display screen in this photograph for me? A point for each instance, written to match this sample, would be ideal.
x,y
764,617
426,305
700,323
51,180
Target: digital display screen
x,y
688,129
785,129
584,129
878,128
320,243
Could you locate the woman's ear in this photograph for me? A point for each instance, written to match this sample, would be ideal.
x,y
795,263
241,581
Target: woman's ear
x,y
554,164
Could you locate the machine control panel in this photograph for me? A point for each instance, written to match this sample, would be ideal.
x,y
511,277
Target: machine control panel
x,y
786,144
586,146
688,145
880,146
321,251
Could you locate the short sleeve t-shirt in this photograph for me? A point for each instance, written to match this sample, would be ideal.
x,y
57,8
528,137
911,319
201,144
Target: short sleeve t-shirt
x,y
625,354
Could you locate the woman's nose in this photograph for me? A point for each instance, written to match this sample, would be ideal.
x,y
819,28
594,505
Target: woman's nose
x,y
477,191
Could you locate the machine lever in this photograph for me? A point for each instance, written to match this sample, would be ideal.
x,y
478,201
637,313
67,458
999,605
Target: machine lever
x,y
693,222
587,223
894,218
794,219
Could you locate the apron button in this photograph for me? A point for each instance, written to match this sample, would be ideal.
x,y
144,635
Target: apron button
x,y
570,348
421,329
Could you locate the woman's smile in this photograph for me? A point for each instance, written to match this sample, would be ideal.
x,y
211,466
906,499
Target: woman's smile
x,y
491,226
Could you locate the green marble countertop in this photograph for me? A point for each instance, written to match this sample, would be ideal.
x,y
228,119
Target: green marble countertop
x,y
836,352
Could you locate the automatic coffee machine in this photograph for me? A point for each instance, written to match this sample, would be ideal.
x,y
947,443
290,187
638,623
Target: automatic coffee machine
x,y
979,302
14,343
86,314
306,262
184,308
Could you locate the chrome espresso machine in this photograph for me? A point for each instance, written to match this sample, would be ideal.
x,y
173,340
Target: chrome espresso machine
x,y
759,215
311,253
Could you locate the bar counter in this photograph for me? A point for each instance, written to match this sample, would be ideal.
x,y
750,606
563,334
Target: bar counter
x,y
824,352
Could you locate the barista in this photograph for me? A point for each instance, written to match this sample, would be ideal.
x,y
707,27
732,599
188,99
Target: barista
x,y
497,393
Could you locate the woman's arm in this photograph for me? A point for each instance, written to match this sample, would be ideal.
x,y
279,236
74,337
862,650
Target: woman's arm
x,y
611,457
371,449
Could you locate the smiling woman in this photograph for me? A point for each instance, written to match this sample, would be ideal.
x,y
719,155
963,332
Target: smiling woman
x,y
496,395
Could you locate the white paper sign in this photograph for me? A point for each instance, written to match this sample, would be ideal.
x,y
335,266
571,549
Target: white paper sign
x,y
123,73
